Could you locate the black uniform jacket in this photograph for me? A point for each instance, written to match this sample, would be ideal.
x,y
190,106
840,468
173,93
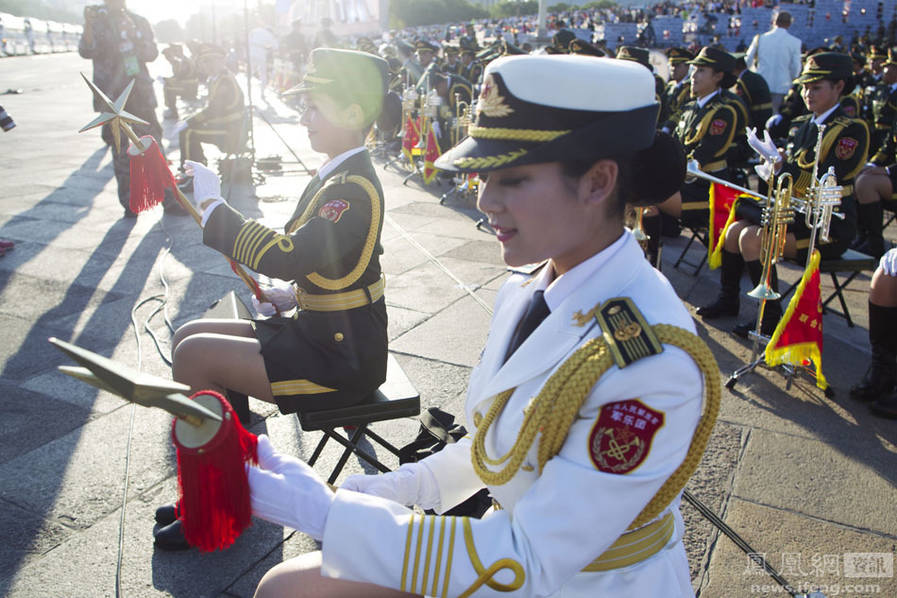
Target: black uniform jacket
x,y
755,92
845,146
224,109
707,133
330,246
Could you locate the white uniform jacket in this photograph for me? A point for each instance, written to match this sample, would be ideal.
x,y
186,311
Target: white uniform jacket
x,y
551,525
777,54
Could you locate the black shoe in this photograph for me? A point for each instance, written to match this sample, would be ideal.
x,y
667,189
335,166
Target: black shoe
x,y
872,246
886,407
723,306
171,537
166,514
878,382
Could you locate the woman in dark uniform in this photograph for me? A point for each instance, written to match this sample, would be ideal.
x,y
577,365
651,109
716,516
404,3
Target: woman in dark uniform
x,y
332,351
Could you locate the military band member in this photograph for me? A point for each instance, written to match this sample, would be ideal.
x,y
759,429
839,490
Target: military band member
x,y
472,69
845,144
426,52
884,101
677,91
876,184
452,64
707,130
332,352
642,56
182,83
752,88
221,121
581,46
556,198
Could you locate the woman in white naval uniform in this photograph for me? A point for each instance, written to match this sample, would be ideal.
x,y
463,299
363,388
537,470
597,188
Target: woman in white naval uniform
x,y
586,430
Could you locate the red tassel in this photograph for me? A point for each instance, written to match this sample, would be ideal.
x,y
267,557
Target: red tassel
x,y
214,505
150,176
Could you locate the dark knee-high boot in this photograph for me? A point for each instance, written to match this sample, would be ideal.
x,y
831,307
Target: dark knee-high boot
x,y
869,216
730,279
881,375
772,312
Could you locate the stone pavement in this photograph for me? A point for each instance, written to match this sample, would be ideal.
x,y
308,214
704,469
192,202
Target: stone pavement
x,y
804,478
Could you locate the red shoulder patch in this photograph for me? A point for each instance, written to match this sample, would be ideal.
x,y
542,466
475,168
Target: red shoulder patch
x,y
846,148
621,438
717,127
333,209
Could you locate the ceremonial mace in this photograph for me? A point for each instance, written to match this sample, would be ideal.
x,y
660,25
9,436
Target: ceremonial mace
x,y
212,446
150,175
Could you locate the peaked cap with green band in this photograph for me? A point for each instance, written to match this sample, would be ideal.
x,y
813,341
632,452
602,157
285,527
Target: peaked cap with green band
x,y
720,61
639,55
348,76
830,66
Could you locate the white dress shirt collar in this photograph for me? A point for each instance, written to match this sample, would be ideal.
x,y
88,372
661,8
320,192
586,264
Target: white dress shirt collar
x,y
558,289
818,120
331,165
703,101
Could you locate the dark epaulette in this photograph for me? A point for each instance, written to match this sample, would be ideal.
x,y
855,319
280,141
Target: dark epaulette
x,y
844,120
802,118
626,332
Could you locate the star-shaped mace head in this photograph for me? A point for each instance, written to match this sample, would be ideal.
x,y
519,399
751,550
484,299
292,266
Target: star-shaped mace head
x,y
114,114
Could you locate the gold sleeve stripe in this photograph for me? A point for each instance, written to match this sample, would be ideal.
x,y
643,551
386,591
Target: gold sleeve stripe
x,y
484,576
407,552
252,244
420,536
289,388
369,244
426,577
245,239
438,557
448,559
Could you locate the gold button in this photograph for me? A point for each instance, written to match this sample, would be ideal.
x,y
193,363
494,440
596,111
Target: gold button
x,y
477,418
338,337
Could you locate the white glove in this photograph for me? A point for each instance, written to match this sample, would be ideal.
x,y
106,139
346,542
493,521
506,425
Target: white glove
x,y
888,262
286,491
409,485
206,184
281,297
180,126
766,149
773,120
764,170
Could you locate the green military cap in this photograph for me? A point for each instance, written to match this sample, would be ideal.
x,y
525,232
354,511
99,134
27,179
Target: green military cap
x,y
721,62
892,58
451,49
858,58
679,55
348,76
562,39
580,46
639,55
509,49
366,45
877,53
830,66
422,45
207,50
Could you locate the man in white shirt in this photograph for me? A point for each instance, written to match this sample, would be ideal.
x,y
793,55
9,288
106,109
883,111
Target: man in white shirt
x,y
776,56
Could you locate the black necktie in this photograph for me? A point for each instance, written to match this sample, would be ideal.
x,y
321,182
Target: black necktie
x,y
535,313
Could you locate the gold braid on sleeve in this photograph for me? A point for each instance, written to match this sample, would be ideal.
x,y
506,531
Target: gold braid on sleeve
x,y
560,399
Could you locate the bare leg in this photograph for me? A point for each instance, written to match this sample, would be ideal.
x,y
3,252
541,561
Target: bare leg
x,y
210,361
213,325
883,290
301,577
873,185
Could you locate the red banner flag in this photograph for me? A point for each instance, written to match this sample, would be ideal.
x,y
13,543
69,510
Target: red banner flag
x,y
410,137
797,339
430,154
723,201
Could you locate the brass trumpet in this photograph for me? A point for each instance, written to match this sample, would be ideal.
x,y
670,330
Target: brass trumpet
x,y
777,215
461,120
824,198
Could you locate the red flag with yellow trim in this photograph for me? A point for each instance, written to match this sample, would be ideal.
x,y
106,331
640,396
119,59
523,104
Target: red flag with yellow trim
x,y
797,339
430,155
410,137
723,201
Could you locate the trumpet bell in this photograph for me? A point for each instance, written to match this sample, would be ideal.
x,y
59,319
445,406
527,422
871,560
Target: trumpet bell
x,y
764,292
